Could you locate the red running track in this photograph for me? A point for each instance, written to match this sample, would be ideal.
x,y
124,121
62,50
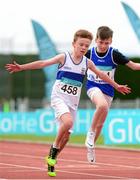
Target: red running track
x,y
26,161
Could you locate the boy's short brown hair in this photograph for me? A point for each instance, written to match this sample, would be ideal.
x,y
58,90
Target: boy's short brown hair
x,y
82,33
104,32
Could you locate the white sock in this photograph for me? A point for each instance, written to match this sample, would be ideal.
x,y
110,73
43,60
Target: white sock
x,y
54,146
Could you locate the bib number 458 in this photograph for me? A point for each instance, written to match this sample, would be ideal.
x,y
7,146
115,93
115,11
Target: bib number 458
x,y
69,89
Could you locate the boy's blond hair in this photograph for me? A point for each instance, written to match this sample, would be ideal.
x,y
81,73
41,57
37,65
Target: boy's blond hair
x,y
82,33
104,32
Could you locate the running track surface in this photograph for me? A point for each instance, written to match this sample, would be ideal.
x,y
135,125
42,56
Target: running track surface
x,y
26,161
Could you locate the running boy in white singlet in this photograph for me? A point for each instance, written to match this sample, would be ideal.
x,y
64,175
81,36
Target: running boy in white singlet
x,y
67,88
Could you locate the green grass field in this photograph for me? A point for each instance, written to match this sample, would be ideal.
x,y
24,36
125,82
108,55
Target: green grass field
x,y
74,139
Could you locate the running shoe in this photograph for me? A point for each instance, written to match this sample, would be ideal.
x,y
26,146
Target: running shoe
x,y
90,147
51,171
91,155
50,161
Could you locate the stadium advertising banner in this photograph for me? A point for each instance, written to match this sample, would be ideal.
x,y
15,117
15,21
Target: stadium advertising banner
x,y
121,126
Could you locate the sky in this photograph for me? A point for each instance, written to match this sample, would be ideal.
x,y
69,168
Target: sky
x,y
61,18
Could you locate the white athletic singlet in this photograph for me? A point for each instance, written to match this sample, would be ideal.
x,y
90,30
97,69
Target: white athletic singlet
x,y
69,81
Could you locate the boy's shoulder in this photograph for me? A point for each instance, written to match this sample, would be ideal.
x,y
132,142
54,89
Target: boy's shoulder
x,y
115,49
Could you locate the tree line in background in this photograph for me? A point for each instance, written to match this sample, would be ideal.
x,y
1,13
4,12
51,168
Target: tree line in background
x,y
30,84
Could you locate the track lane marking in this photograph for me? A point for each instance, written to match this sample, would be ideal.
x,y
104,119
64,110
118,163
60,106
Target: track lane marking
x,y
70,172
64,160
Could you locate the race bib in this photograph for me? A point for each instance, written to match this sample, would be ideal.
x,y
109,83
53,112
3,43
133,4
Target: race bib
x,y
94,77
69,89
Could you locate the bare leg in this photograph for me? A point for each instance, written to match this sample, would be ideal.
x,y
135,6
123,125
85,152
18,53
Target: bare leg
x,y
64,141
61,139
97,123
99,115
99,119
65,125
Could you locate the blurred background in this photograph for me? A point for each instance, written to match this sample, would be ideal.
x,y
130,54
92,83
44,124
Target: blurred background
x,y
32,30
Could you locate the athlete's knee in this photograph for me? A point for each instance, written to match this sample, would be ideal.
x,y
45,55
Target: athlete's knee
x,y
103,107
68,124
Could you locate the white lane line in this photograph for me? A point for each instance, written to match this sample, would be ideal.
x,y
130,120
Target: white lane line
x,y
69,172
73,161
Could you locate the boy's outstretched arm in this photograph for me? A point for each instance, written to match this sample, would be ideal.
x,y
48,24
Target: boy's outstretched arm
x,y
133,65
124,89
15,67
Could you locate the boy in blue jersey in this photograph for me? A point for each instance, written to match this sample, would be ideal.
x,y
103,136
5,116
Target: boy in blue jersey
x,y
100,92
67,88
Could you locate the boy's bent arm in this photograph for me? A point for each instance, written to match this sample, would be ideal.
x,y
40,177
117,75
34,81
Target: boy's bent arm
x,y
102,75
124,89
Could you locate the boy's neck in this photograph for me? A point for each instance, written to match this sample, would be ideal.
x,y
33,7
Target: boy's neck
x,y
100,53
75,57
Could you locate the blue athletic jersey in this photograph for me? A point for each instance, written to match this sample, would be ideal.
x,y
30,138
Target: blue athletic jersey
x,y
105,64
